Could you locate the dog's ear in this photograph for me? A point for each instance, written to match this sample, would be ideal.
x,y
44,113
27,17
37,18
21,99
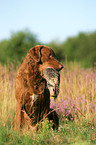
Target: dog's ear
x,y
35,52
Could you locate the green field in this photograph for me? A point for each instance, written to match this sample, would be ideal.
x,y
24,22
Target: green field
x,y
75,105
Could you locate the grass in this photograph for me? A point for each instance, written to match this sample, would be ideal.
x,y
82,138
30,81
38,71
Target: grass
x,y
76,106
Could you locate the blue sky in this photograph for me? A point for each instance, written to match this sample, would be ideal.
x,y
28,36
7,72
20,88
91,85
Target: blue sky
x,y
48,19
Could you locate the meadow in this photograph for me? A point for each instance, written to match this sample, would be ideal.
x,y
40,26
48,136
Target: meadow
x,y
75,105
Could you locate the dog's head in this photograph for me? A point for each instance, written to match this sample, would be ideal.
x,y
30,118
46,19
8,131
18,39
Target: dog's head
x,y
45,58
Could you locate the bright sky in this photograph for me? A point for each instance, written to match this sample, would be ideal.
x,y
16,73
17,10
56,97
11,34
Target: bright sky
x,y
48,19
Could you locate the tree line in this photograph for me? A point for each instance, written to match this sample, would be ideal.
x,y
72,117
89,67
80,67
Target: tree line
x,y
81,48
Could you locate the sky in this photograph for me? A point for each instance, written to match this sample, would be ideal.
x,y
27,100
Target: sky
x,y
48,19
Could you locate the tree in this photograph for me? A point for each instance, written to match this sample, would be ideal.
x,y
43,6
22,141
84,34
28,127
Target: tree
x,y
17,46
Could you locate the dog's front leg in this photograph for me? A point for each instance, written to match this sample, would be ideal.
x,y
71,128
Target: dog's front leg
x,y
54,117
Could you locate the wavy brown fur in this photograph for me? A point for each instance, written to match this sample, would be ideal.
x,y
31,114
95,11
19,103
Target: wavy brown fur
x,y
30,80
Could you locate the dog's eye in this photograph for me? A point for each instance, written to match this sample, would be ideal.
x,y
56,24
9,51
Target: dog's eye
x,y
50,56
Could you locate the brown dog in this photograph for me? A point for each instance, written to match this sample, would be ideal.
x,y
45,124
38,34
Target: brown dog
x,y
33,97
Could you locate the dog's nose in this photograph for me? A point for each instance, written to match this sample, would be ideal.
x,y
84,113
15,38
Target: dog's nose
x,y
60,67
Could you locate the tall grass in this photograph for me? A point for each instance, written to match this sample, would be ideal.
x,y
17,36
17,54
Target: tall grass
x,y
77,98
7,95
75,105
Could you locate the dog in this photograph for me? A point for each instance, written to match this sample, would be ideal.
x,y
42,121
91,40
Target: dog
x,y
31,91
